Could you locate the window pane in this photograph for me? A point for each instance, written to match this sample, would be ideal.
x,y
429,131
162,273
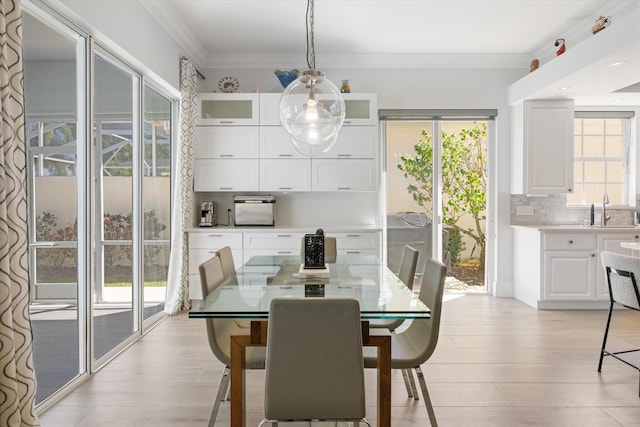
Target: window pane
x,y
593,193
593,126
613,146
615,172
616,194
577,145
594,172
615,126
577,172
593,146
575,198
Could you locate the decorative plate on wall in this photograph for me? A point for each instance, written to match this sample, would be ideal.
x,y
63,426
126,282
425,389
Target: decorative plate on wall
x,y
228,84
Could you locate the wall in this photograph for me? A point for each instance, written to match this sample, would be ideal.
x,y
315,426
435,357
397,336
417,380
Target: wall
x,y
126,27
424,89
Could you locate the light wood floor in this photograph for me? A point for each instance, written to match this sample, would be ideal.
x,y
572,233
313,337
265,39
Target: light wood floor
x,y
498,363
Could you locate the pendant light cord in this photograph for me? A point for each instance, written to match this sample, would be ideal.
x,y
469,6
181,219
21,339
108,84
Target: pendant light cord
x,y
311,50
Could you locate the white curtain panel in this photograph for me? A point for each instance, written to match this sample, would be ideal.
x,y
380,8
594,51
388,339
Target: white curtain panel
x,y
17,377
182,217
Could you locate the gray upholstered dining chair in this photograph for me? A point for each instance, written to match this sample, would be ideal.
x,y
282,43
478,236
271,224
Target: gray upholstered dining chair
x,y
407,274
415,345
622,273
226,259
314,365
219,333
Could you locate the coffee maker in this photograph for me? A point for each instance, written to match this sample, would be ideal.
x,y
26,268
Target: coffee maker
x,y
207,214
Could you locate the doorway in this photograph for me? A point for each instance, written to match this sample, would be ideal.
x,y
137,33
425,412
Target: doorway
x,y
436,185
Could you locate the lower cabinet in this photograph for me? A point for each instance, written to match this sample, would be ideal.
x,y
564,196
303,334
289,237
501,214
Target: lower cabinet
x,y
559,270
247,243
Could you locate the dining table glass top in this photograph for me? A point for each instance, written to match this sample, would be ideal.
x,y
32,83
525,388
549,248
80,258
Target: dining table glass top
x,y
248,293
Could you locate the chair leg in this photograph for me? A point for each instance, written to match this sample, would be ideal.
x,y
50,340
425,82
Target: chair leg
x,y
222,389
412,383
606,333
405,377
425,396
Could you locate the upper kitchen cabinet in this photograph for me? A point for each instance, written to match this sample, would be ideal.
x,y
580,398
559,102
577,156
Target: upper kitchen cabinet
x,y
542,147
228,109
361,109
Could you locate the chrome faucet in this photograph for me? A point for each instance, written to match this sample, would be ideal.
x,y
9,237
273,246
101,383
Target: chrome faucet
x,y
604,218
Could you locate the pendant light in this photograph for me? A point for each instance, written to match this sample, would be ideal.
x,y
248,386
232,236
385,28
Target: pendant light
x,y
311,108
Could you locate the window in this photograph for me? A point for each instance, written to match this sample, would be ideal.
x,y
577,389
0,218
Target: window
x,y
601,158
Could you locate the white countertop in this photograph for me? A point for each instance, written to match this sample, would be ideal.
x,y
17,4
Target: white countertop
x,y
289,229
581,228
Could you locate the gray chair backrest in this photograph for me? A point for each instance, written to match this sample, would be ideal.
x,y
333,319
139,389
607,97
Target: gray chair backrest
x,y
408,263
622,273
314,365
226,259
424,333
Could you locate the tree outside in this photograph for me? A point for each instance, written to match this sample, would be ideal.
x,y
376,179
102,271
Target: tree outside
x,y
464,186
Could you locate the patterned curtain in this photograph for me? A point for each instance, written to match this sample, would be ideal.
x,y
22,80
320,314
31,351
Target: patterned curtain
x,y
17,377
182,218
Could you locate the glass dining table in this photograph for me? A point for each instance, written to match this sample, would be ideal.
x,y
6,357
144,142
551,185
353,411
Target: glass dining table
x,y
248,295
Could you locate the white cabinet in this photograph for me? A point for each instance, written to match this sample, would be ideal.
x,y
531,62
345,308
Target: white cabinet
x,y
361,109
560,269
225,174
285,175
361,243
344,175
542,132
267,243
203,245
354,142
569,267
229,109
227,142
241,146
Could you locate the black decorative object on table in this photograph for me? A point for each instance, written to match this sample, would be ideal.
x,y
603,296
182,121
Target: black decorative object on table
x,y
314,250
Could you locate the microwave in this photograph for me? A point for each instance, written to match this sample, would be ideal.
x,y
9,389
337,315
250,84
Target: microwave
x,y
254,210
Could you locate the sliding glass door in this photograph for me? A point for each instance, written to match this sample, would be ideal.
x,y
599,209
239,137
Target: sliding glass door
x,y
100,138
436,193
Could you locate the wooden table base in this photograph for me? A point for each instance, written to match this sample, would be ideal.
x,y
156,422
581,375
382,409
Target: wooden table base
x,y
258,338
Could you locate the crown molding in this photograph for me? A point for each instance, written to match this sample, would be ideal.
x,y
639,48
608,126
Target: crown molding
x,y
163,11
380,61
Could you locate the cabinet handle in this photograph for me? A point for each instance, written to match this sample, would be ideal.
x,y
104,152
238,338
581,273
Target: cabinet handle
x,y
285,155
347,122
215,235
353,235
352,252
570,190
226,188
593,255
571,242
284,252
284,235
344,188
285,188
226,155
226,122
344,155
635,237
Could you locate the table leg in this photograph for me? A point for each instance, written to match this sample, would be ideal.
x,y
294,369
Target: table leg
x,y
384,378
237,365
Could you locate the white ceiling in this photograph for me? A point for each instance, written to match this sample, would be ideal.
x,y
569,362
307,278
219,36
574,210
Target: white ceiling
x,y
230,33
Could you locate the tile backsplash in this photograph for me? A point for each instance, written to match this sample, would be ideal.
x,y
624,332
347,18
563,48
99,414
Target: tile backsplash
x,y
553,210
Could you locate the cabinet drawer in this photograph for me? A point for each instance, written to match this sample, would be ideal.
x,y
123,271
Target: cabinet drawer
x,y
276,144
227,142
356,241
273,241
354,142
344,175
569,242
215,241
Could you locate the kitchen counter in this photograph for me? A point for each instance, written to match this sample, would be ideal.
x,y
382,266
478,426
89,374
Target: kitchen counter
x,y
580,228
289,229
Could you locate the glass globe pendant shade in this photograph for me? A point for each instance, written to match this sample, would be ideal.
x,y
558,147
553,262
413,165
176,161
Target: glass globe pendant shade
x,y
312,111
